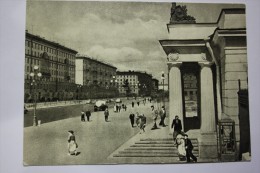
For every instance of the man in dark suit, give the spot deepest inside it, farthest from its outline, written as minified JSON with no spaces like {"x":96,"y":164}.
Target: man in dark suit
{"x":88,"y":114}
{"x":132,"y":119}
{"x":177,"y":127}
{"x":189,"y":148}
{"x":162,"y":114}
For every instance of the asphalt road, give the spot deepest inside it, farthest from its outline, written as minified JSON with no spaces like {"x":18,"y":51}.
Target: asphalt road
{"x":62,"y":112}
{"x":47,"y":144}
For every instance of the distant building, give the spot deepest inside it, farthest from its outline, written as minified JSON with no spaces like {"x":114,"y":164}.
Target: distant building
{"x":139,"y":83}
{"x":95,"y":78}
{"x":57,"y":65}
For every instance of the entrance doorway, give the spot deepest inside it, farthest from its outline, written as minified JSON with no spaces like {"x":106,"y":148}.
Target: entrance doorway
{"x":191,"y":95}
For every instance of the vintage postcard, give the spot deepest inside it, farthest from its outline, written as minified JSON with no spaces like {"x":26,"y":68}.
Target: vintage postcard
{"x":135,"y":82}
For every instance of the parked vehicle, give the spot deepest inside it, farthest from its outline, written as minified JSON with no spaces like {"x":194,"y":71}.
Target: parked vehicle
{"x":100,"y":105}
{"x":118,"y":100}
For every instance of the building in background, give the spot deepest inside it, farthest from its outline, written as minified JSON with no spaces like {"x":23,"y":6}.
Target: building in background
{"x":94,"y":78}
{"x":134,"y":83}
{"x":57,"y":65}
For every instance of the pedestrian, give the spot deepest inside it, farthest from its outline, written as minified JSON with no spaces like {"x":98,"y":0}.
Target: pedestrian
{"x":154,"y":117}
{"x":125,"y":107}
{"x":189,"y":148}
{"x":106,"y":113}
{"x":132,"y":119}
{"x":119,"y":108}
{"x":177,"y":127}
{"x":72,"y":145}
{"x":82,"y":116}
{"x":163,"y":116}
{"x":142,"y":123}
{"x":115,"y":108}
{"x":180,"y":144}
{"x":133,"y":104}
{"x":88,"y":114}
{"x":138,"y":119}
{"x":138,"y":103}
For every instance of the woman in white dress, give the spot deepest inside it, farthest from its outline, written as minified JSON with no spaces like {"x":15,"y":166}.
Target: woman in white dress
{"x":181,"y":147}
{"x":72,"y":145}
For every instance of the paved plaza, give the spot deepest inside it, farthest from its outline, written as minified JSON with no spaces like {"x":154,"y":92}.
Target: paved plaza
{"x":97,"y":139}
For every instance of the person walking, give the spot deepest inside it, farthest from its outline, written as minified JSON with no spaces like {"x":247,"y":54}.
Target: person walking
{"x":106,"y":113}
{"x":133,"y":104}
{"x":180,"y":144}
{"x":138,"y":102}
{"x":72,"y":145}
{"x":163,"y":116}
{"x":82,"y":116}
{"x":142,"y":123}
{"x":88,"y":114}
{"x":189,"y":148}
{"x":154,"y":117}
{"x":176,"y":123}
{"x":132,"y":119}
{"x":115,"y":108}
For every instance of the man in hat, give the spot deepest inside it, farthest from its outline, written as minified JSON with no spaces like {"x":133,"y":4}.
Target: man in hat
{"x":177,"y":127}
{"x":189,"y":148}
{"x":163,"y":116}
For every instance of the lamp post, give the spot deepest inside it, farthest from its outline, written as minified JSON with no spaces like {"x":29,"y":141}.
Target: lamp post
{"x":35,"y":75}
{"x":163,"y":78}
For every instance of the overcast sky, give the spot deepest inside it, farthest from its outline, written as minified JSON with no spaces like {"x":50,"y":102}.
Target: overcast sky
{"x":125,"y":34}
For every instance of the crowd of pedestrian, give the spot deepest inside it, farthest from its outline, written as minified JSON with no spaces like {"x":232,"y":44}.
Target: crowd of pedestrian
{"x":180,"y":139}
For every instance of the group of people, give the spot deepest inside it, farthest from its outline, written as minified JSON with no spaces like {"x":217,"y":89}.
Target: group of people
{"x":118,"y":107}
{"x":183,"y":143}
{"x":156,"y":114}
{"x":139,"y":119}
{"x":86,"y":114}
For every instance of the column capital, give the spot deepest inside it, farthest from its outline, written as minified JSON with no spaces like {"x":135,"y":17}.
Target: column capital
{"x":205,"y":64}
{"x":174,"y":64}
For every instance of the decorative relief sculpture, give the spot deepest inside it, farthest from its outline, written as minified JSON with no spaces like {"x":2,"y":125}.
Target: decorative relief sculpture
{"x":173,"y":56}
{"x":179,"y":15}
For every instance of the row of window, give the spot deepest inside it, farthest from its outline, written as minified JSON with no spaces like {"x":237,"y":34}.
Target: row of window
{"x":53,"y":86}
{"x":47,"y":49}
{"x":127,"y":76}
{"x":52,"y":58}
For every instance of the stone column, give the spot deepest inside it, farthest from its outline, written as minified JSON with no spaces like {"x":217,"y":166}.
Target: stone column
{"x":207,"y":99}
{"x":175,"y":92}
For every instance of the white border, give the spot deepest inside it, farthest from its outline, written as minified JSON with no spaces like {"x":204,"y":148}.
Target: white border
{"x":12,"y":27}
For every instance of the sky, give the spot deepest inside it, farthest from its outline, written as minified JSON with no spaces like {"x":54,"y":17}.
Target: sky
{"x":125,"y":34}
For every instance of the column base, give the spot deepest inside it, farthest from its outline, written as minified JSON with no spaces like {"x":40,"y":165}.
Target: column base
{"x":208,"y":146}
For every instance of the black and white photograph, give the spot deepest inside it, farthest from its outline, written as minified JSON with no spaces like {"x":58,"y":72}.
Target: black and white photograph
{"x":135,"y":83}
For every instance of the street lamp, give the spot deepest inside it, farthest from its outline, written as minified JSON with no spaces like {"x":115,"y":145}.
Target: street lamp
{"x":35,"y":75}
{"x":163,"y":78}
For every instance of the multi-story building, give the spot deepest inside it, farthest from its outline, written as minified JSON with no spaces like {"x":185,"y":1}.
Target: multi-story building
{"x":57,"y":66}
{"x":139,"y":83}
{"x":96,"y":78}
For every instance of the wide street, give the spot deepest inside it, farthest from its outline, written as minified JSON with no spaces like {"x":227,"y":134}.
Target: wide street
{"x":97,"y":139}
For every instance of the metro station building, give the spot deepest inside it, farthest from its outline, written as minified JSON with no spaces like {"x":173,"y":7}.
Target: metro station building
{"x":207,"y":65}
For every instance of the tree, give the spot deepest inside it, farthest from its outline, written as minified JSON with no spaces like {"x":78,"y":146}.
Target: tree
{"x":126,"y":86}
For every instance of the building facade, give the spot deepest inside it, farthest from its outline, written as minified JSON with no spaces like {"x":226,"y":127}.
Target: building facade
{"x":139,"y":83}
{"x":57,"y":66}
{"x":94,"y":78}
{"x":205,"y":62}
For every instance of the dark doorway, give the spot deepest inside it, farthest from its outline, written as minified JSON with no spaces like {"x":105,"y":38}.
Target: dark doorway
{"x":191,"y":95}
